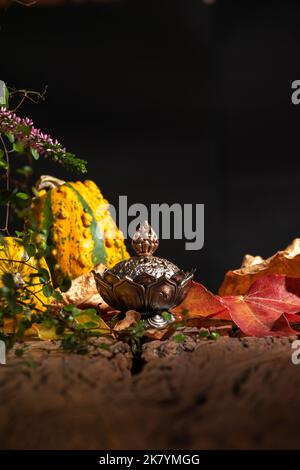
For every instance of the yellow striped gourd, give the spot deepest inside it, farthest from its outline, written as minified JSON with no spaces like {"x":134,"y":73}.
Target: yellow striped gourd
{"x":15,"y":260}
{"x":75,"y":220}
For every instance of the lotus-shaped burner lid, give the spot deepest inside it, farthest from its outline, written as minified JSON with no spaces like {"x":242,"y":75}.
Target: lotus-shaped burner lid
{"x":145,"y":267}
{"x":144,"y":282}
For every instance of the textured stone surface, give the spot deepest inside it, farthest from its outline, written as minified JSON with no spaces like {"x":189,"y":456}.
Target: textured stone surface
{"x":199,"y":394}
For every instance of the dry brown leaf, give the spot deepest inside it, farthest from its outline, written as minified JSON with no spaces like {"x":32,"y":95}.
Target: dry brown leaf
{"x":83,"y":291}
{"x":154,"y":333}
{"x":286,"y":262}
{"x":131,"y":317}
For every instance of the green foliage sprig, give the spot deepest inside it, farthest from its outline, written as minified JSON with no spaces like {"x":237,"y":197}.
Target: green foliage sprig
{"x":18,"y":307}
{"x":18,"y":136}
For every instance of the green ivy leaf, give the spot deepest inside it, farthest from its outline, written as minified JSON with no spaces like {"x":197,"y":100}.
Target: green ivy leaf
{"x":22,"y":196}
{"x":91,"y":312}
{"x":4,"y":94}
{"x":214,"y":335}
{"x":18,"y":147}
{"x":44,"y":275}
{"x":25,"y":171}
{"x":167,"y":316}
{"x":179,"y":338}
{"x":69,"y":308}
{"x":3,"y":165}
{"x":88,"y":325}
{"x":47,"y":290}
{"x":18,"y":309}
{"x":57,"y":295}
{"x":25,"y":129}
{"x":10,"y":137}
{"x":65,"y":285}
{"x":8,"y":280}
{"x":30,"y":250}
{"x":138,"y":330}
{"x":19,"y":234}
{"x":204,"y":333}
{"x":34,"y":153}
{"x":36,"y":194}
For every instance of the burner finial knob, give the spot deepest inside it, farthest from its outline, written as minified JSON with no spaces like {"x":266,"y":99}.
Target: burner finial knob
{"x":145,"y":240}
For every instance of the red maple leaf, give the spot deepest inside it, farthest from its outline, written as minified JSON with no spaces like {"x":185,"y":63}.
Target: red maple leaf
{"x":199,"y":302}
{"x":271,"y":304}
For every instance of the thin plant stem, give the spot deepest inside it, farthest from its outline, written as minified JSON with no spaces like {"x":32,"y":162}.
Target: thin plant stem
{"x":18,"y":261}
{"x":6,"y":228}
{"x":33,"y":96}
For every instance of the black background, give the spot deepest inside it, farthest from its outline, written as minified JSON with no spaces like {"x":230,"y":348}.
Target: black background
{"x":174,"y":101}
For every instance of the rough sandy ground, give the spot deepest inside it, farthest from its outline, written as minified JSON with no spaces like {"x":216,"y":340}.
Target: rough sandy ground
{"x":230,"y":393}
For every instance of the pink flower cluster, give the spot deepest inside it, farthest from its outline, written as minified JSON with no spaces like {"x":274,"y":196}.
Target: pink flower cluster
{"x":23,"y":131}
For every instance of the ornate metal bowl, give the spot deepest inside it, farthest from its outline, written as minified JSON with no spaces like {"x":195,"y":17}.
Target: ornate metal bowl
{"x":144,"y":283}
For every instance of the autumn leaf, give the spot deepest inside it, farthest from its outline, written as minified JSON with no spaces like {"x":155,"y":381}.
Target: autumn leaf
{"x":199,"y":302}
{"x":267,"y":308}
{"x":10,"y":326}
{"x":130,"y":319}
{"x":85,"y":319}
{"x":285,"y":262}
{"x":159,"y":334}
{"x":83,"y":291}
{"x":44,"y":332}
{"x":92,"y":321}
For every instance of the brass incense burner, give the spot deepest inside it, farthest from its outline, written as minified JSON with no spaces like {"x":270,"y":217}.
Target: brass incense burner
{"x":145,"y":283}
